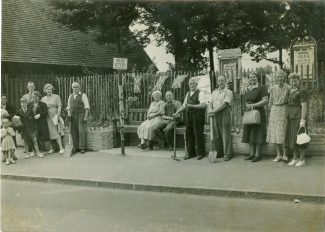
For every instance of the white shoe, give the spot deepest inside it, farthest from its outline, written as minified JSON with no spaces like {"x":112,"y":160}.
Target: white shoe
{"x":293,"y":162}
{"x":27,"y":156}
{"x":31,"y":154}
{"x":40,"y":155}
{"x":284,"y":158}
{"x":300,"y":163}
{"x":50,"y":151}
{"x":61,"y":151}
{"x":277,"y":159}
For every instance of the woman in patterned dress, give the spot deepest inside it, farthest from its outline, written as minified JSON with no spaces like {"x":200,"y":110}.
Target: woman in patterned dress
{"x":146,"y":129}
{"x":54,"y":106}
{"x":256,"y":97}
{"x":278,"y":100}
{"x":297,"y":111}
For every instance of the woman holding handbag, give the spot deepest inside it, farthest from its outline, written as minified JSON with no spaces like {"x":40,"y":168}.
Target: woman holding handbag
{"x":54,"y":104}
{"x":256,"y":97}
{"x":297,"y":111}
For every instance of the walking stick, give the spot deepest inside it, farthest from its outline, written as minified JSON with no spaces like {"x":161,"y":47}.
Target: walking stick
{"x":212,"y":153}
{"x":174,"y":157}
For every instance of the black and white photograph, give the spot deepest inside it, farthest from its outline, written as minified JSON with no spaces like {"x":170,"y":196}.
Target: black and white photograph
{"x":162,"y":116}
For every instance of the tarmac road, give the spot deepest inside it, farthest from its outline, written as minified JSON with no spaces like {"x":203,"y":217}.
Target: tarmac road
{"x":31,"y":206}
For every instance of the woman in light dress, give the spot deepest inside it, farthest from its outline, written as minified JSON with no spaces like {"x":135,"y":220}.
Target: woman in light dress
{"x":54,"y":105}
{"x":146,"y":129}
{"x":278,"y":102}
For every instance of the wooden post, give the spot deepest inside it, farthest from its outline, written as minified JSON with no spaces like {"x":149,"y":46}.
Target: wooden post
{"x":121,"y":109}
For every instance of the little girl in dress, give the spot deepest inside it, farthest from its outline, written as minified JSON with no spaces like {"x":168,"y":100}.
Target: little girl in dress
{"x":7,"y":142}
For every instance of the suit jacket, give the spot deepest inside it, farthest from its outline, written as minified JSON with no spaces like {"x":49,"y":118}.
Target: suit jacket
{"x":41,"y":126}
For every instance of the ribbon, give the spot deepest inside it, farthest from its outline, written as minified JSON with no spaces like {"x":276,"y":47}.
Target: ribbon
{"x":178,"y":81}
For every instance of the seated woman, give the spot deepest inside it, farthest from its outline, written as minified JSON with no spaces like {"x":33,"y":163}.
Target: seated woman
{"x":146,"y":129}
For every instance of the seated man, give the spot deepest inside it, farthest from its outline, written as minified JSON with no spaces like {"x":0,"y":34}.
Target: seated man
{"x":165,"y":129}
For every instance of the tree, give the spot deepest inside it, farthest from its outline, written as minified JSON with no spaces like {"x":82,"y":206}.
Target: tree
{"x":276,"y":24}
{"x":108,"y":21}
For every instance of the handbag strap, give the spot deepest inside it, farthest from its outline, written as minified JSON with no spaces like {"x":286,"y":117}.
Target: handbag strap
{"x":300,"y":129}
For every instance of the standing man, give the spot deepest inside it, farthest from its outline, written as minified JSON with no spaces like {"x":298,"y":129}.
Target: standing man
{"x":221,"y":101}
{"x":165,"y":129}
{"x":78,"y":110}
{"x":194,"y":104}
{"x":31,"y":89}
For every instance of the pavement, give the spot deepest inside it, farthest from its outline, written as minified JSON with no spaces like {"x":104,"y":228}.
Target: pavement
{"x":155,"y":171}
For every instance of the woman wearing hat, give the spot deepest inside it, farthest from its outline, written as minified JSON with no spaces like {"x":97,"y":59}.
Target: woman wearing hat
{"x":146,"y":129}
{"x":54,"y":106}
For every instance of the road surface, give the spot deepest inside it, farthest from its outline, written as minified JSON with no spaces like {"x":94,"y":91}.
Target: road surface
{"x":31,"y":206}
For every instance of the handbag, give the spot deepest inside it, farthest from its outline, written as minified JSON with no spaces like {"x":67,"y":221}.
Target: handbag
{"x":55,"y":120}
{"x":252,"y":117}
{"x":302,"y":138}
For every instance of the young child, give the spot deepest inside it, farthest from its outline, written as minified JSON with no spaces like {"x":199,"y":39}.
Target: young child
{"x":7,"y":142}
{"x":28,"y":131}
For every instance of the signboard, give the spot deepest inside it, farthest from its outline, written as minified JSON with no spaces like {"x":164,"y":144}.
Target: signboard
{"x":304,"y":57}
{"x":120,"y":63}
{"x":303,"y":53}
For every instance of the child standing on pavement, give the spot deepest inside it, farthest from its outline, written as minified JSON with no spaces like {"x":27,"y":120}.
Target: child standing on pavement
{"x":7,"y":142}
{"x":28,"y":131}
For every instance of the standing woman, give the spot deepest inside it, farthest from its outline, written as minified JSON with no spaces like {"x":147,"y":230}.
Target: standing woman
{"x":39,"y":110}
{"x":146,"y":129}
{"x":54,"y":106}
{"x":297,"y":111}
{"x":278,"y":101}
{"x":256,"y":97}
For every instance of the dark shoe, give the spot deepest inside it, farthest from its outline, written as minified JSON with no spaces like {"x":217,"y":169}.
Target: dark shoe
{"x":73,"y":151}
{"x":249,"y":157}
{"x":150,"y":145}
{"x":144,"y":146}
{"x":200,"y":157}
{"x":256,"y":159}
{"x":188,"y":157}
{"x":227,"y":158}
{"x":83,"y":151}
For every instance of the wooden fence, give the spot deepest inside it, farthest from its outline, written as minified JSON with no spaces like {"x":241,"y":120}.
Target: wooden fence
{"x":102,"y":90}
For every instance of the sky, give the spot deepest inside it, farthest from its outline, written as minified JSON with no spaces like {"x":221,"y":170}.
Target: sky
{"x":161,"y":58}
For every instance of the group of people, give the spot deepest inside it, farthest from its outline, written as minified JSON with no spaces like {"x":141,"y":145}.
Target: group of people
{"x":288,"y":109}
{"x":39,"y":122}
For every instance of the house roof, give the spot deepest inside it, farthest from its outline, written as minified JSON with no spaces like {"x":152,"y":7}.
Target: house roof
{"x":29,"y":35}
{"x":229,"y":53}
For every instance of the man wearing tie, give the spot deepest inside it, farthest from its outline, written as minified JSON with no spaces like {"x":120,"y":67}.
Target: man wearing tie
{"x":31,"y":89}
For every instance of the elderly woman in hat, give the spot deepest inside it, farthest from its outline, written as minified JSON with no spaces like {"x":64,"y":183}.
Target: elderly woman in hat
{"x":146,"y":129}
{"x":54,"y":106}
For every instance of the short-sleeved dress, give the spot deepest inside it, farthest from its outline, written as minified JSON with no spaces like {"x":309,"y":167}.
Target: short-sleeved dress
{"x":7,"y":142}
{"x":256,"y":134}
{"x":146,"y":129}
{"x":53,"y":102}
{"x":277,"y":120}
{"x":296,"y":97}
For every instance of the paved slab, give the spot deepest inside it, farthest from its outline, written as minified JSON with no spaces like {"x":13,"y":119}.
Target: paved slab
{"x":156,"y":171}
